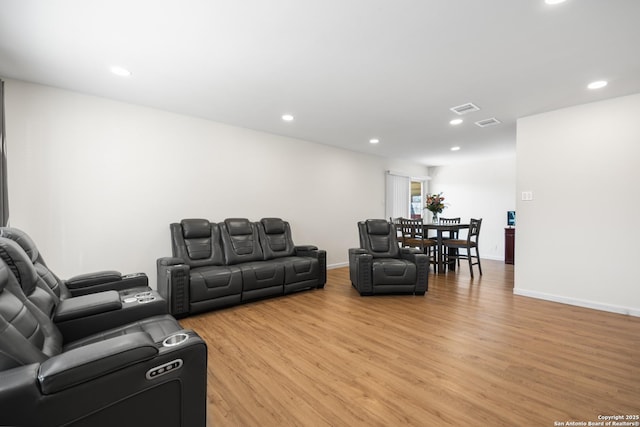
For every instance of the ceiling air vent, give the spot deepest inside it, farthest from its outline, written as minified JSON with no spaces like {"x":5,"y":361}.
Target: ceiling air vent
{"x":465,"y":108}
{"x":488,"y":122}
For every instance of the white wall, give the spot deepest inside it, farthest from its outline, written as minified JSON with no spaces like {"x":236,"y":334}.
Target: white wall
{"x":96,"y":182}
{"x":577,"y":240}
{"x":484,"y":189}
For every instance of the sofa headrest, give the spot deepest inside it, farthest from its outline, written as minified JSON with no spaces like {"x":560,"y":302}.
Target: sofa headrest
{"x":19,"y":263}
{"x":273,"y":225}
{"x":378,"y":226}
{"x":195,"y":228}
{"x":238,"y":226}
{"x":22,"y":239}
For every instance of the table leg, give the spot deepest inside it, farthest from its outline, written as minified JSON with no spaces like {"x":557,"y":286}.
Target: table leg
{"x":440,"y":256}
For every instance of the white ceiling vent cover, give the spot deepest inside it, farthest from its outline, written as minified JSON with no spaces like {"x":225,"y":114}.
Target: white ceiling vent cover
{"x":465,"y":108}
{"x":488,"y":122}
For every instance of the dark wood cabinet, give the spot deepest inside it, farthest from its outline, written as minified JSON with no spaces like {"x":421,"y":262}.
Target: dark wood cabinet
{"x":509,"y":245}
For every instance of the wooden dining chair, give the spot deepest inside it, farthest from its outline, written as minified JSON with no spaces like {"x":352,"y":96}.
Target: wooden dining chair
{"x":397,"y":222}
{"x":450,"y":234}
{"x":414,"y":236}
{"x":465,"y":248}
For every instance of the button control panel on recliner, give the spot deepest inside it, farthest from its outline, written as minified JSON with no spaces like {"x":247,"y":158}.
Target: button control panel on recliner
{"x":164,"y":369}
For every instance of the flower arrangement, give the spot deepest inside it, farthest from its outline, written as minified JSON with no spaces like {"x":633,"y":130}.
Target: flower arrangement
{"x":435,"y":205}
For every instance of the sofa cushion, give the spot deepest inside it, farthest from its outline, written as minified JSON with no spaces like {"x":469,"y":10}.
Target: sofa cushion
{"x":379,"y":238}
{"x":393,"y":271}
{"x":273,"y":225}
{"x":238,"y":226}
{"x":300,"y":269}
{"x":194,"y":228}
{"x":214,"y":282}
{"x":240,"y":241}
{"x":378,"y":226}
{"x":275,"y":238}
{"x":262,"y":274}
{"x":197,"y":242}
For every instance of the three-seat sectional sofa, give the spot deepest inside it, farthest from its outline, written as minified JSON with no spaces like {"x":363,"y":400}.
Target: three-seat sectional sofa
{"x":216,"y":265}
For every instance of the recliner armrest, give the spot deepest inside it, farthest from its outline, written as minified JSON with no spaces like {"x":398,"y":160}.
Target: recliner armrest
{"x":357,"y":251}
{"x":87,"y":305}
{"x":167,"y":261}
{"x":421,"y":260}
{"x":307,"y":250}
{"x":107,"y":280}
{"x":360,"y":261}
{"x":312,"y":251}
{"x":94,"y":360}
{"x":92,"y":279}
{"x":407,"y":251}
{"x":173,"y":284}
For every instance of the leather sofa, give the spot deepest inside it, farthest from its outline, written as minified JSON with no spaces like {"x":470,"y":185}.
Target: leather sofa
{"x":379,"y":266}
{"x":82,"y":284}
{"x":216,"y":265}
{"x":150,"y":372}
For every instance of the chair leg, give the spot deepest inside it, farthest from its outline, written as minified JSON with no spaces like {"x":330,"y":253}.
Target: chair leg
{"x":433,"y":258}
{"x":479,"y":265}
{"x":470,"y":262}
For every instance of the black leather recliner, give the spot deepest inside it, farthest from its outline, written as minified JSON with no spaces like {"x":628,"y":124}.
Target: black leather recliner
{"x":379,"y":266}
{"x":82,"y":315}
{"x":81,"y":284}
{"x":147,"y":373}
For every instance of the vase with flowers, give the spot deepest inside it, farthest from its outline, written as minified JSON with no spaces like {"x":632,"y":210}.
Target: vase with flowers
{"x":435,"y":205}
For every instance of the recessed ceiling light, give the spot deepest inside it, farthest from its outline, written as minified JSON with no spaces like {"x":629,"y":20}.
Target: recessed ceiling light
{"x":554,"y":1}
{"x":287,"y":117}
{"x":597,"y":85}
{"x":455,"y":148}
{"x":119,"y":71}
{"x":455,"y":122}
{"x":374,"y":140}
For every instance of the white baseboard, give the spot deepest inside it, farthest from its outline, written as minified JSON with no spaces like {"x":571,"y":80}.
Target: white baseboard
{"x":337,"y":265}
{"x":629,"y":311}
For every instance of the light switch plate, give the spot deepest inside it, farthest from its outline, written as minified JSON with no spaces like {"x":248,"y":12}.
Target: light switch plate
{"x":527,"y":196}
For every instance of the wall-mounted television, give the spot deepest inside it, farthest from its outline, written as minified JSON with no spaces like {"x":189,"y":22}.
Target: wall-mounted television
{"x":511,"y":218}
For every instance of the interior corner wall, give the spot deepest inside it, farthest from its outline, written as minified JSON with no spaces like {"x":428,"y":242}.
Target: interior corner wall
{"x":485,"y":189}
{"x":577,"y":240}
{"x":97,"y":182}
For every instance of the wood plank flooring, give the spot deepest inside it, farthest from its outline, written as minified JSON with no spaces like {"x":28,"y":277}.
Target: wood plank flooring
{"x":467,"y":353}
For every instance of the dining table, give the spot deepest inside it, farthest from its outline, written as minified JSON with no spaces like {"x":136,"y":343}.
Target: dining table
{"x":440,"y":229}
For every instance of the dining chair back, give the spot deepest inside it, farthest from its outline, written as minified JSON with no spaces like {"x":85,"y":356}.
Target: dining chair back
{"x":411,"y":229}
{"x":414,"y":236}
{"x":458,"y":249}
{"x":397,"y":222}
{"x":446,"y":221}
{"x":451,"y":234}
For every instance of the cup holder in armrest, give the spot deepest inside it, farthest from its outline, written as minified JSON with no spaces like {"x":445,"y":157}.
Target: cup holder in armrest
{"x":175,"y":339}
{"x":147,"y":299}
{"x":142,"y":294}
{"x":140,"y":298}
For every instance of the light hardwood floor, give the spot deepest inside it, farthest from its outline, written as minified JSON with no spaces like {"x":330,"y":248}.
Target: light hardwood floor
{"x":468,"y":353}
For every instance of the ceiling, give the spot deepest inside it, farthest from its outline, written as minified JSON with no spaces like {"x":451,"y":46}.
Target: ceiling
{"x":348,"y":70}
